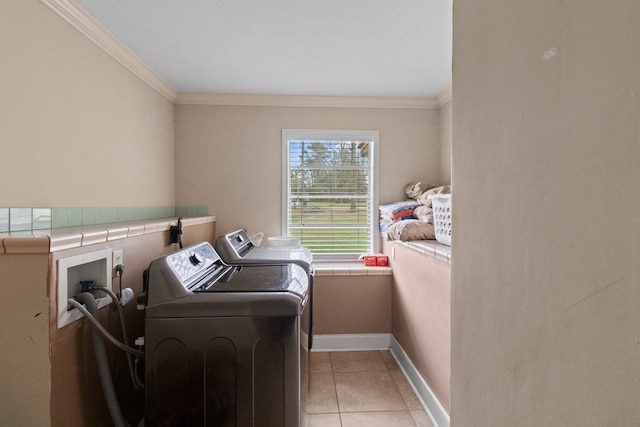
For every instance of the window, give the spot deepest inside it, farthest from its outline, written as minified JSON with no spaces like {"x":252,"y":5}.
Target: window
{"x":330,"y":190}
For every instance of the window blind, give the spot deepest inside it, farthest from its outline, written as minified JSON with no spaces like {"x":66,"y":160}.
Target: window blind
{"x":329,"y":197}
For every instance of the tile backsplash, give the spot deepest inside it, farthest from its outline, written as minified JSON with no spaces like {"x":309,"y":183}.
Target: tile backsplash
{"x":26,"y":219}
{"x":4,"y":220}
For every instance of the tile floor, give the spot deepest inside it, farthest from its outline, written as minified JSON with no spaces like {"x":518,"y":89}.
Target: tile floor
{"x":361,"y":388}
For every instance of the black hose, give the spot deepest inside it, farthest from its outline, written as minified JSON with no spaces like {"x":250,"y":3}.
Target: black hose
{"x":103,"y":366}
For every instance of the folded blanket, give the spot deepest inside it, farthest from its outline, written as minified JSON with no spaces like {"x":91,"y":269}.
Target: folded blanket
{"x":386,"y":222}
{"x":398,"y":215}
{"x":396,"y":208}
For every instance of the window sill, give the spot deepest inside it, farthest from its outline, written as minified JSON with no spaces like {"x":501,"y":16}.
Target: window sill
{"x":326,"y":268}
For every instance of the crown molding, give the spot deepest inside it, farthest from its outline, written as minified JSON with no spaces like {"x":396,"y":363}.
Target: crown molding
{"x":445,"y":97}
{"x":307,"y":101}
{"x":82,"y":22}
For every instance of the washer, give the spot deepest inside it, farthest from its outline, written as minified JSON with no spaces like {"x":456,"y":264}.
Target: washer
{"x":236,"y":248}
{"x":223,"y":343}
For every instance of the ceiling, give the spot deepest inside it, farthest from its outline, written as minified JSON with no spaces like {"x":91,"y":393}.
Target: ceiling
{"x":288,"y":47}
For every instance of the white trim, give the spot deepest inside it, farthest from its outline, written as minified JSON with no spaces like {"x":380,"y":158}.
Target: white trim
{"x":82,"y":22}
{"x":284,"y":187}
{"x":417,"y":102}
{"x":375,"y":191}
{"x":351,"y":342}
{"x":430,"y":402}
{"x":445,"y":97}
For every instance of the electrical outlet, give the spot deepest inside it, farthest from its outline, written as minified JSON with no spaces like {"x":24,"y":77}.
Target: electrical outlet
{"x":117,"y":259}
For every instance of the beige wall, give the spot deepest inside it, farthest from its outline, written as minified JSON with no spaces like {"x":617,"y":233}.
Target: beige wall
{"x":213,"y":141}
{"x":545,"y":295}
{"x":24,"y":335}
{"x":352,"y":304}
{"x":76,"y":127}
{"x":445,"y":135}
{"x":421,"y":319}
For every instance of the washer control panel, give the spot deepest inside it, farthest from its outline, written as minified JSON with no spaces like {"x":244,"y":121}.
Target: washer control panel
{"x":193,"y":262}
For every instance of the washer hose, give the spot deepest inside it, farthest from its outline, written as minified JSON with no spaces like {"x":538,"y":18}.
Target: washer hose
{"x":103,"y":366}
{"x":102,"y":329}
{"x":137,"y":384}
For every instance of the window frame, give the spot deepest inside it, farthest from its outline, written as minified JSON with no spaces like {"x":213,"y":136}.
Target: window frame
{"x":335,"y":135}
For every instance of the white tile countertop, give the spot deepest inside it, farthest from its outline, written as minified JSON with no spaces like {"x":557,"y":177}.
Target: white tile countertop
{"x":56,"y":239}
{"x":324,"y":268}
{"x":431,"y":248}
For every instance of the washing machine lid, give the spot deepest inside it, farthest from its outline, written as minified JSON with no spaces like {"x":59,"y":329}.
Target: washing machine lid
{"x":259,"y":278}
{"x":236,"y":248}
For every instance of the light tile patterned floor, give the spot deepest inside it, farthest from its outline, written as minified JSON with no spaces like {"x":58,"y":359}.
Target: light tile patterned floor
{"x":361,"y":389}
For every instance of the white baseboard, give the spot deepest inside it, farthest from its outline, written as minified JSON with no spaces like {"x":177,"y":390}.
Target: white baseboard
{"x":432,"y":405}
{"x":351,"y":342}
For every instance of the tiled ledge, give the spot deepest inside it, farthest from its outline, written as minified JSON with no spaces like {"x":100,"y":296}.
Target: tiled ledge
{"x":431,"y":248}
{"x":57,"y":239}
{"x":349,"y":269}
